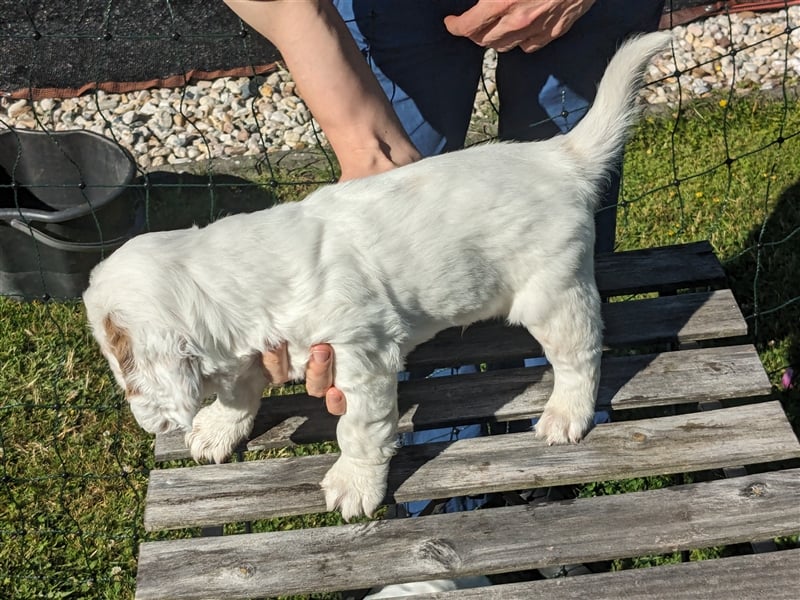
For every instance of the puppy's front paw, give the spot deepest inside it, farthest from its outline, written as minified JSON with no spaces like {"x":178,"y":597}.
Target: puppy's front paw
{"x":355,"y":487}
{"x":214,"y":438}
{"x":562,"y":425}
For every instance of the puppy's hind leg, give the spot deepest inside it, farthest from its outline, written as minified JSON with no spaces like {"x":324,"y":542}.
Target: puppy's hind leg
{"x":219,"y":427}
{"x":568,"y":325}
{"x":366,"y":433}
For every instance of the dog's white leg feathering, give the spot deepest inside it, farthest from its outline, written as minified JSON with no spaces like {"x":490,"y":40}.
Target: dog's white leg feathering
{"x":367,"y":436}
{"x":572,"y":341}
{"x":219,"y":427}
{"x":566,"y":321}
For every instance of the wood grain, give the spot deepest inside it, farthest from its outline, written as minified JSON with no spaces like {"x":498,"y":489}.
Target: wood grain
{"x":772,"y":575}
{"x":748,"y":508}
{"x":664,"y":269}
{"x":742,"y":509}
{"x":475,"y":542}
{"x":215,"y":494}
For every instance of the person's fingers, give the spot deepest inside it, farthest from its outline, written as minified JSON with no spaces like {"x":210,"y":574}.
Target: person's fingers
{"x":335,"y":401}
{"x":319,"y":370}
{"x":276,"y":364}
{"x":505,"y":43}
{"x":532,"y":44}
{"x":474,"y":22}
{"x":511,"y":23}
{"x":553,"y":24}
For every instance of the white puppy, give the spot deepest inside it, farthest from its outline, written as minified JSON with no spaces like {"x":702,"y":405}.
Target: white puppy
{"x":374,"y":267}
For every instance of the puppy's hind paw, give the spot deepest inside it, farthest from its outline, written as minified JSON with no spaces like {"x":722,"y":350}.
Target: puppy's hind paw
{"x":355,"y":487}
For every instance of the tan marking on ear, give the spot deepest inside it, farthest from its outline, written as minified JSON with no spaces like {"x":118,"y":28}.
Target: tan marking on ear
{"x":119,"y":343}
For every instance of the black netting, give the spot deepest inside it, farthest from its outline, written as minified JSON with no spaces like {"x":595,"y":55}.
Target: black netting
{"x":715,"y":157}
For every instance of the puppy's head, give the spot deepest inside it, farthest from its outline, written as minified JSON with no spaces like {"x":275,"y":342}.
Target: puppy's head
{"x":137,"y":304}
{"x":158,"y":368}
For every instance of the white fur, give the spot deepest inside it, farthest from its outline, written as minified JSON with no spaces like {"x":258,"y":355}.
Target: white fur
{"x":375,"y":267}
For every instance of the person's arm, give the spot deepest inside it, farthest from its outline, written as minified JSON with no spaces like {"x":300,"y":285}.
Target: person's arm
{"x":527,"y":24}
{"x":340,"y":90}
{"x":335,"y":81}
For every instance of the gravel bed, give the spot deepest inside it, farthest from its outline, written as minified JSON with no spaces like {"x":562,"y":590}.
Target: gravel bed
{"x":233,"y":117}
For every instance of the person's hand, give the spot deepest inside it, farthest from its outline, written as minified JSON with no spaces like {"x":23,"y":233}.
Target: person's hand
{"x":319,"y":379}
{"x":319,"y":374}
{"x":506,"y":24}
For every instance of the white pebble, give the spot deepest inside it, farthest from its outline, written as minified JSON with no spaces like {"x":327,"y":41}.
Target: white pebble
{"x":228,"y":117}
{"x":18,"y":108}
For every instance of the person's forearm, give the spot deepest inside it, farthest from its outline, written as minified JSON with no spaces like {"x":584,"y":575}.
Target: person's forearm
{"x":334,"y":80}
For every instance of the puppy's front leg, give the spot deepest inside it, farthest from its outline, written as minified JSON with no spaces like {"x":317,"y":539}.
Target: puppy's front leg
{"x":219,"y":427}
{"x":367,"y":436}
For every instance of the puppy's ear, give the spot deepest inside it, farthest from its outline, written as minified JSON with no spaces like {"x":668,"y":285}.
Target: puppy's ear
{"x":119,"y":345}
{"x":170,"y":372}
{"x":162,"y":381}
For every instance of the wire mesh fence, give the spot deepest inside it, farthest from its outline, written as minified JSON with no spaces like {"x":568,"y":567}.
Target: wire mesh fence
{"x":715,"y":157}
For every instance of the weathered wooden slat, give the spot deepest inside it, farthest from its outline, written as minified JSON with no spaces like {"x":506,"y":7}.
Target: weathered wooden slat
{"x":669,"y":378}
{"x":663,"y":269}
{"x":214,"y":494}
{"x":476,"y":542}
{"x":676,"y":319}
{"x":771,"y":575}
{"x":683,"y":318}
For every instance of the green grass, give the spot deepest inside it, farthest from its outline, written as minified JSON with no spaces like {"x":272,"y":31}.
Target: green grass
{"x":74,"y":465}
{"x":679,"y":186}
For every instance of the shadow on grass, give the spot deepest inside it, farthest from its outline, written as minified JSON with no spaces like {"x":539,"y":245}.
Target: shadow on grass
{"x":180,"y":200}
{"x":765,"y":280}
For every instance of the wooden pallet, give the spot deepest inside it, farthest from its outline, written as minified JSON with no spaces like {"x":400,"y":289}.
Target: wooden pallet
{"x":666,"y":355}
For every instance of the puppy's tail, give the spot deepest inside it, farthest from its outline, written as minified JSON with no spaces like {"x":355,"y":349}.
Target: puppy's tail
{"x":599,"y":137}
